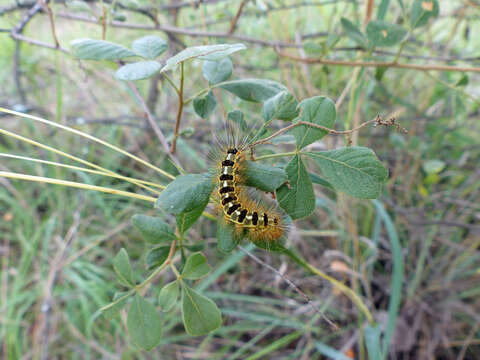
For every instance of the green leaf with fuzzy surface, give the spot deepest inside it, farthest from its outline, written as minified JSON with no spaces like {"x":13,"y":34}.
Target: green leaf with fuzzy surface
{"x":217,"y":71}
{"x":227,"y":240}
{"x":157,"y":256}
{"x":205,"y":105}
{"x":168,"y":296}
{"x":196,"y":267}
{"x":186,"y":193}
{"x":282,"y":106}
{"x":318,"y":110}
{"x":137,"y":70}
{"x":264,"y":177}
{"x":121,"y":265}
{"x":422,"y":11}
{"x":207,"y":52}
{"x":353,"y":170}
{"x":186,"y":220}
{"x":255,"y":90}
{"x":200,"y":314}
{"x":297,"y":197}
{"x":150,"y":46}
{"x":144,"y":323}
{"x":353,"y":32}
{"x":88,"y":49}
{"x":382,"y":33}
{"x":153,"y":229}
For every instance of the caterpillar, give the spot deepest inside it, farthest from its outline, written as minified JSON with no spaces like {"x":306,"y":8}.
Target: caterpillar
{"x":251,"y":218}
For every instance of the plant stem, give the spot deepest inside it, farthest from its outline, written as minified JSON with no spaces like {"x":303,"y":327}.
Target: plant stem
{"x":179,"y":112}
{"x":73,"y":184}
{"x":167,"y":262}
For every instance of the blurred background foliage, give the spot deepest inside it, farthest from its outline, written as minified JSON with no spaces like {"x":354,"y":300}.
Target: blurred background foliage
{"x":57,"y":244}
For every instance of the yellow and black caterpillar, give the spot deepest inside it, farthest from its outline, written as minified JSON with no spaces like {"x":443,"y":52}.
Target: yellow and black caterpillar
{"x":258,"y":222}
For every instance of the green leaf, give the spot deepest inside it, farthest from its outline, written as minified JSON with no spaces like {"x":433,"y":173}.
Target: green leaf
{"x":144,"y":323}
{"x":121,"y":264}
{"x":256,"y":90}
{"x":186,"y":220}
{"x":297,"y":197}
{"x":153,"y":229}
{"x":318,"y":110}
{"x":208,"y":52}
{"x":353,"y":32}
{"x":196,"y":267}
{"x":157,"y":256}
{"x":204,"y":106}
{"x":237,"y":117}
{"x":217,"y":71}
{"x":186,"y":193}
{"x":320,"y":181}
{"x":168,"y":296}
{"x":119,"y":301}
{"x":227,"y":239}
{"x":282,"y":106}
{"x":382,"y":33}
{"x":422,"y":11}
{"x":200,"y":314}
{"x":382,"y":9}
{"x":150,"y":46}
{"x":88,"y":49}
{"x":353,"y":170}
{"x":373,"y":333}
{"x":264,"y":177}
{"x":137,"y":70}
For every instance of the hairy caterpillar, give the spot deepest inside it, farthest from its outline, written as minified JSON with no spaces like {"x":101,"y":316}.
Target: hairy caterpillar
{"x":251,"y":218}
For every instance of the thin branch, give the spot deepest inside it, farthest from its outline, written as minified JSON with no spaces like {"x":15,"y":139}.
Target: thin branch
{"x":161,"y":137}
{"x":377,"y":120}
{"x":291,"y":284}
{"x":44,"y":4}
{"x":179,"y":112}
{"x":378,"y":64}
{"x":234,"y":22}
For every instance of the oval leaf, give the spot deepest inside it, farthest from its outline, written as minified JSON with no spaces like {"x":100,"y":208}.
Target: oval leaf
{"x":353,"y":32}
{"x":150,"y":47}
{"x":168,"y":296}
{"x":196,"y":267}
{"x":186,"y":220}
{"x":157,"y":256}
{"x":282,"y":106}
{"x":226,"y":236}
{"x":297,"y":197}
{"x":204,"y":106}
{"x":144,"y":323}
{"x":137,"y":71}
{"x":318,"y":110}
{"x":200,"y":314}
{"x":217,"y":71}
{"x":119,"y":301}
{"x":153,"y":229}
{"x":256,"y":90}
{"x":88,"y":49}
{"x":381,"y":33}
{"x":121,"y":265}
{"x":264,"y":177}
{"x":353,"y":170}
{"x":186,"y":193}
{"x":422,"y":11}
{"x":208,"y":52}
